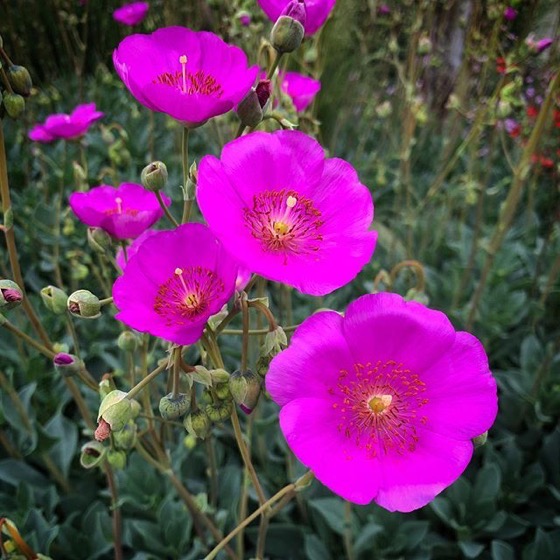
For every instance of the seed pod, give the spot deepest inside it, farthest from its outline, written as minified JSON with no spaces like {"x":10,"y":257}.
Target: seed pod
{"x":54,"y":299}
{"x":197,"y":424}
{"x":171,"y":407}
{"x":20,"y":80}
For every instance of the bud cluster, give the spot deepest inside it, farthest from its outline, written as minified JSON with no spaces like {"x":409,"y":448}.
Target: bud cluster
{"x":15,"y":86}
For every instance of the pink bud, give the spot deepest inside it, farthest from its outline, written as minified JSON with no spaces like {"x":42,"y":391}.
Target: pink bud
{"x":510,"y":13}
{"x":296,"y":10}
{"x":103,"y":430}
{"x":263,"y":89}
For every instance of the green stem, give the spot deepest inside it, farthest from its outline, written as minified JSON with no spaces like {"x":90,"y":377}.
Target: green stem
{"x":176,"y":371}
{"x":258,"y":332}
{"x":115,"y":508}
{"x":260,"y":306}
{"x":188,"y":197}
{"x":290,"y":488}
{"x":348,"y":531}
{"x":166,"y":211}
{"x":274,"y":65}
{"x":26,"y":338}
{"x":152,"y":375}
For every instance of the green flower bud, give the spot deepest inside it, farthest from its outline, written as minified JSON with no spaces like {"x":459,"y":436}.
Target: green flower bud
{"x":127,"y":341}
{"x":84,"y":304}
{"x":20,"y":80}
{"x":249,"y":109}
{"x":11,"y":295}
{"x":154,"y":176}
{"x":115,"y":410}
{"x":274,"y":342}
{"x":219,"y":375}
{"x":67,"y":364}
{"x":287,"y":34}
{"x":222,"y":391}
{"x":80,"y":177}
{"x":136,"y":407}
{"x":14,"y":104}
{"x":218,"y":412}
{"x":245,"y":388}
{"x":480,"y":440}
{"x":126,"y":438}
{"x":262,"y":365}
{"x":92,"y":454}
{"x":106,"y":385}
{"x":197,"y":424}
{"x":54,"y":299}
{"x":99,"y":240}
{"x":171,"y":407}
{"x":117,"y":459}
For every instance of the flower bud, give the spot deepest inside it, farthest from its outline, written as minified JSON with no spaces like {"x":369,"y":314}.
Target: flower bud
{"x":14,"y":104}
{"x":171,"y":407}
{"x":218,"y":412}
{"x":222,"y":391}
{"x":197,"y":424}
{"x":20,"y":80}
{"x":117,"y":459}
{"x":126,"y":438}
{"x":274,"y":342}
{"x":262,"y":365}
{"x":245,"y":388}
{"x":67,"y":364}
{"x":249,"y":109}
{"x":480,"y":440}
{"x":288,"y":31}
{"x":219,"y":375}
{"x":84,"y":304}
{"x":106,"y":385}
{"x":115,"y":410}
{"x":244,"y":18}
{"x":98,"y":239}
{"x":263,"y":90}
{"x":92,"y":454}
{"x":127,"y":341}
{"x":154,"y":176}
{"x":80,"y":177}
{"x":54,"y":299}
{"x":11,"y":295}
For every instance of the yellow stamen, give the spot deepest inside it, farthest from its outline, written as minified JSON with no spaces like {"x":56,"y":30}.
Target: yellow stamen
{"x":281,"y":228}
{"x":379,"y":403}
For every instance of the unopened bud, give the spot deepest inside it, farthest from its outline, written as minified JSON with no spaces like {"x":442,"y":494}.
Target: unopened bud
{"x":14,"y":103}
{"x":11,"y":295}
{"x":126,"y":438}
{"x":263,"y":90}
{"x":222,"y":391}
{"x":67,"y":364}
{"x":249,"y":109}
{"x":115,"y":410}
{"x":127,"y":341}
{"x":218,"y":412}
{"x":154,"y":176}
{"x":92,"y":454}
{"x":274,"y":342}
{"x":219,"y":375}
{"x":245,"y":388}
{"x":480,"y":440}
{"x":54,"y":299}
{"x":20,"y":80}
{"x":117,"y":459}
{"x":98,"y":239}
{"x":84,"y":304}
{"x":106,"y":385}
{"x":197,"y":424}
{"x":288,"y":31}
{"x":173,"y":407}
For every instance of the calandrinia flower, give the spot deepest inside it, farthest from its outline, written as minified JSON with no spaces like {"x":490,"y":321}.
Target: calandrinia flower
{"x":302,"y":89}
{"x":287,"y":213}
{"x":132,"y":249}
{"x":131,"y":14}
{"x":174,"y":283}
{"x":382,"y":403}
{"x":317,"y":12}
{"x":61,"y":126}
{"x":123,"y":212}
{"x":192,"y":76}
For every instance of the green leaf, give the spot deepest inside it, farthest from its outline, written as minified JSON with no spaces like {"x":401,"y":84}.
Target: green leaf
{"x":315,"y":549}
{"x":13,"y":472}
{"x":332,"y":511}
{"x":502,"y":551}
{"x":470,"y":549}
{"x":488,"y":482}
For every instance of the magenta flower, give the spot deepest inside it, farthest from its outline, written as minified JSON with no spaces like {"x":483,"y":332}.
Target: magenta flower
{"x":510,"y":13}
{"x":132,"y":249}
{"x":123,"y":212}
{"x":382,"y":403}
{"x":317,"y":12}
{"x":302,"y":89}
{"x":174,"y":283}
{"x":131,"y":14}
{"x":66,"y":127}
{"x":287,"y":213}
{"x":192,"y":76}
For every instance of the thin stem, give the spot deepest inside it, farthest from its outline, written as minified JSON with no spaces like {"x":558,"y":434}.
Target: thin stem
{"x":348,"y":547}
{"x":115,"y":508}
{"x":26,"y":338}
{"x":274,"y":65}
{"x":258,"y":332}
{"x":176,"y":371}
{"x":137,"y":388}
{"x":240,"y":130}
{"x":212,"y":469}
{"x":290,"y":488}
{"x":245,"y":339}
{"x":166,"y":211}
{"x":260,"y":306}
{"x":188,"y":197}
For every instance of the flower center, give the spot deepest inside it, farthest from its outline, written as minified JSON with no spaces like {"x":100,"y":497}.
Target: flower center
{"x":284,"y":222}
{"x":187,"y":295}
{"x":118,"y":209}
{"x":190,"y":82}
{"x":378,"y":406}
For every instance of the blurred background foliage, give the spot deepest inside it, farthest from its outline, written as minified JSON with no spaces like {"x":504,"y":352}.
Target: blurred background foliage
{"x":417,"y":98}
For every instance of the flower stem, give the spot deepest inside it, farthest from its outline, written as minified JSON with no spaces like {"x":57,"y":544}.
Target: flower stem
{"x":152,"y":375}
{"x":274,"y":65}
{"x":115,"y":508}
{"x":166,"y":211}
{"x":188,"y":197}
{"x":26,"y":338}
{"x":260,"y":306}
{"x":290,"y":488}
{"x":176,"y":371}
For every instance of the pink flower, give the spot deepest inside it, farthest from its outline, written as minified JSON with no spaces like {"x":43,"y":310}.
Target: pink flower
{"x":539,"y":46}
{"x":123,"y":212}
{"x":510,"y":13}
{"x":317,"y":12}
{"x":61,"y":126}
{"x":132,"y":249}
{"x":301,"y":89}
{"x":174,"y":283}
{"x":131,"y":14}
{"x":382,"y":403}
{"x":192,"y":76}
{"x":287,"y":213}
